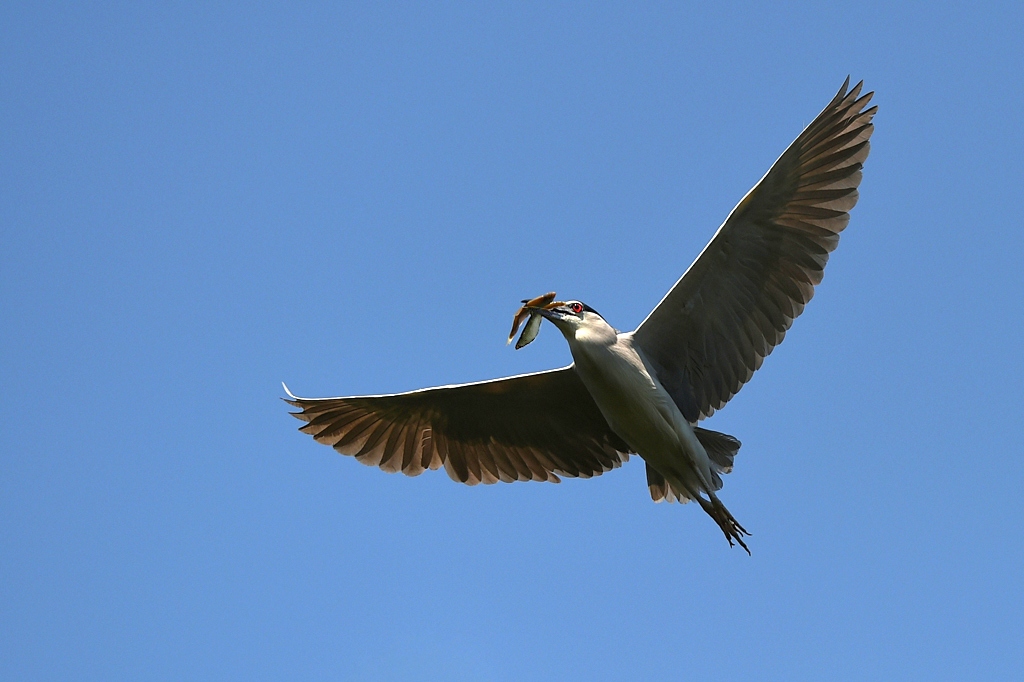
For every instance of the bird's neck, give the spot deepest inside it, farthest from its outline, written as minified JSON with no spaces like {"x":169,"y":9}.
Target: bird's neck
{"x":590,"y":339}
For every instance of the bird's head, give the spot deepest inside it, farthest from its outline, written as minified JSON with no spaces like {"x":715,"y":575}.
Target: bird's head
{"x":573,"y":317}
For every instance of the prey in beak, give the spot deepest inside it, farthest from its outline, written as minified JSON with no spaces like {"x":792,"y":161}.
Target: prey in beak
{"x":533,"y":308}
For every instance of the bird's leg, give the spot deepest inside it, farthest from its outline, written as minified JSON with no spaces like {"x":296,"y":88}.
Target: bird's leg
{"x":726,"y":521}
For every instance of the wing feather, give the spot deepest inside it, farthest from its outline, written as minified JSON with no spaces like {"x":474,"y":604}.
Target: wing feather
{"x":528,"y":427}
{"x":735,"y":303}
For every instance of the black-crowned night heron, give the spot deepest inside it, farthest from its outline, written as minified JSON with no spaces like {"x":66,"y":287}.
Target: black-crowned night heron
{"x":641,"y":392}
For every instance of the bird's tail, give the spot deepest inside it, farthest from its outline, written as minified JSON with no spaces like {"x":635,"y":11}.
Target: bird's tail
{"x":721,"y":449}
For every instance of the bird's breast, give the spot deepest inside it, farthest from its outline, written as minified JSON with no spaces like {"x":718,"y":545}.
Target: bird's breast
{"x":632,"y":401}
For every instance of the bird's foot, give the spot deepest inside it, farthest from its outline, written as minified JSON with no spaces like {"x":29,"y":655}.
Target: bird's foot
{"x":731,"y":528}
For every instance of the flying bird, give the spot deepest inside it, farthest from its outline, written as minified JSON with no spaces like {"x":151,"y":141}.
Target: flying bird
{"x":641,"y":392}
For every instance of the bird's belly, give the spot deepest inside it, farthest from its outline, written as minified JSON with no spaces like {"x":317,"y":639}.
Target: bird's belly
{"x":635,"y":406}
{"x":641,"y":412}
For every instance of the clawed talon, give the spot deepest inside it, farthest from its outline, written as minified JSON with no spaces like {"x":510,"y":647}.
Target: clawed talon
{"x":730,"y":527}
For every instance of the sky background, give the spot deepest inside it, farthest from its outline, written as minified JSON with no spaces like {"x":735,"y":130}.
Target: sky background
{"x":199,"y":200}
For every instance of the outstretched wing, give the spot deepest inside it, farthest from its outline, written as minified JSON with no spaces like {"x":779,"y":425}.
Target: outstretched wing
{"x":528,"y":427}
{"x":734,"y":304}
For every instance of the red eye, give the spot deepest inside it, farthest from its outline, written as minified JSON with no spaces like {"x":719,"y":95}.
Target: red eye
{"x":576,"y":307}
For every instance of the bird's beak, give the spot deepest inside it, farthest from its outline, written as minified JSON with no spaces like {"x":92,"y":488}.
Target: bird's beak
{"x":554,"y":311}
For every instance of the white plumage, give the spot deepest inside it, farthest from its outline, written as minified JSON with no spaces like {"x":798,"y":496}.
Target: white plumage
{"x":641,"y":392}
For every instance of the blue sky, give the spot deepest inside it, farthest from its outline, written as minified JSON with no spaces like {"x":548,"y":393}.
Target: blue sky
{"x":198,"y":202}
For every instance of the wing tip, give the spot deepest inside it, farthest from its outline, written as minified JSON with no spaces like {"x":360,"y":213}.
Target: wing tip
{"x":294,"y":401}
{"x":290,"y":394}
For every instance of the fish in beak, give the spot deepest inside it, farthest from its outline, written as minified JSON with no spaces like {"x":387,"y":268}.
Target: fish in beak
{"x":530,"y":331}
{"x":531,"y":308}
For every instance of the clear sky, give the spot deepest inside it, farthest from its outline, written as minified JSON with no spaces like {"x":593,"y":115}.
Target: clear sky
{"x":200,"y":200}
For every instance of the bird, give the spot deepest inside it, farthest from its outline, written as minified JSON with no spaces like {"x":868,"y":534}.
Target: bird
{"x":642,"y":392}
